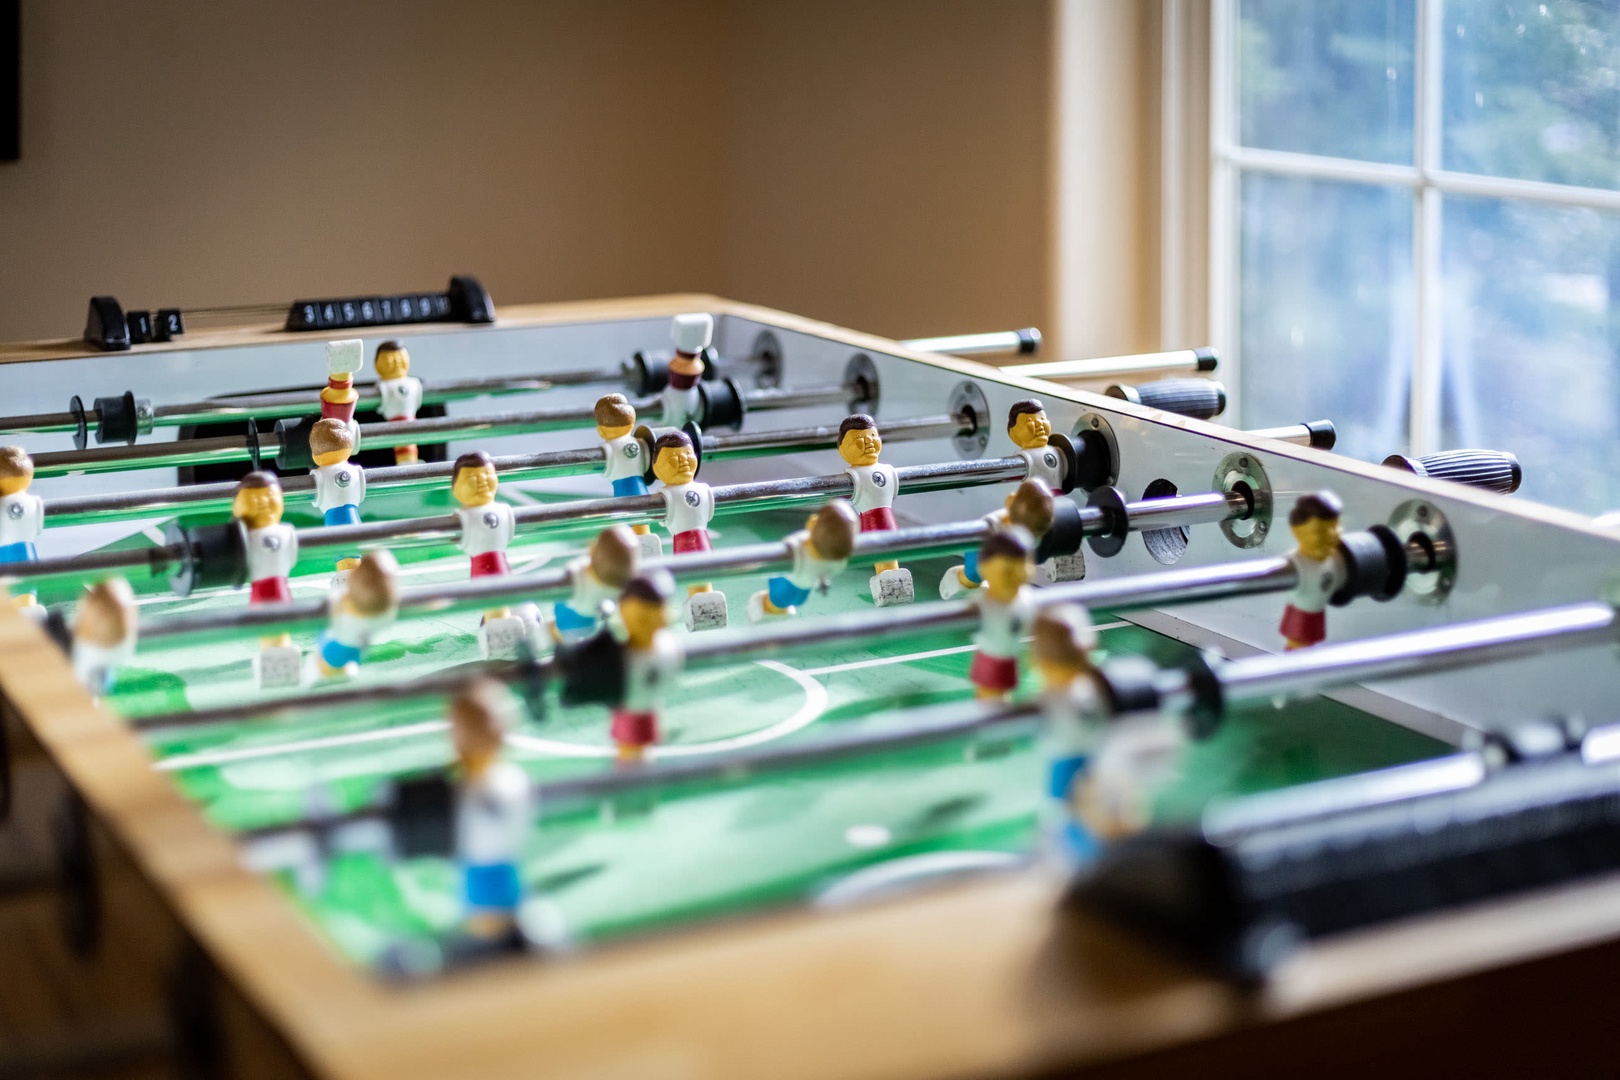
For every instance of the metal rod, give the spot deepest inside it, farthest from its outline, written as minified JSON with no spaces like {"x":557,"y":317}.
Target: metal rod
{"x":197,"y":498}
{"x":921,"y":727}
{"x":1181,"y":510}
{"x":1417,"y":652}
{"x":1109,"y":367}
{"x":1026,"y":341}
{"x":440,"y":429}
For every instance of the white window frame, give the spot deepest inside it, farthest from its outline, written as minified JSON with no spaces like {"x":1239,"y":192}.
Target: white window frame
{"x":1425,"y":179}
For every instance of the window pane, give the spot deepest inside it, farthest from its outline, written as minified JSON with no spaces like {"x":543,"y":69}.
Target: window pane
{"x":1326,"y":292}
{"x":1530,"y":344}
{"x":1330,"y":77}
{"x":1532,"y":90}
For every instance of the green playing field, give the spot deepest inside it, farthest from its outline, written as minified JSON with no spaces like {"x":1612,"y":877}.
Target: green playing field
{"x":705,"y":850}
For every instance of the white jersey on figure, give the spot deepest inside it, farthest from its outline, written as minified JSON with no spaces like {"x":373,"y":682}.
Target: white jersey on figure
{"x":649,"y":672}
{"x":874,"y":486}
{"x":1002,"y":626}
{"x":1046,"y":465}
{"x":624,"y":457}
{"x":809,"y":572}
{"x":271,"y":551}
{"x":688,"y":507}
{"x":589,"y":592}
{"x":22,"y":518}
{"x":340,"y":484}
{"x":1073,"y":717}
{"x":679,"y":406}
{"x":348,"y":627}
{"x":400,"y":397}
{"x":485,"y":528}
{"x":492,"y":816}
{"x":1318,"y":580}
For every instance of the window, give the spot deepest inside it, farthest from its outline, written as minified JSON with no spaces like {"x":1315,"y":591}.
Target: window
{"x":1415,"y":227}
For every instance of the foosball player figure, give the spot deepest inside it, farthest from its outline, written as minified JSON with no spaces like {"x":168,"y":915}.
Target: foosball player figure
{"x":598,"y":577}
{"x":22,"y":515}
{"x":652,"y":662}
{"x":103,"y":634}
{"x":343,"y":359}
{"x":366,"y":605}
{"x":1064,"y":643}
{"x":1006,"y":610}
{"x":401,"y":392}
{"x":688,"y":508}
{"x":487,"y":526}
{"x":1029,"y":429}
{"x":624,"y":466}
{"x":272,"y":551}
{"x":340,"y":484}
{"x":820,"y":550}
{"x":1320,"y":567}
{"x":493,"y":812}
{"x":1029,"y":507}
{"x":875,"y":483}
{"x":681,"y":399}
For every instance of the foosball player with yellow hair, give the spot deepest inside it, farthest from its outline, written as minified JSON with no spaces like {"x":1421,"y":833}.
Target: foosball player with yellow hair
{"x":103,"y":634}
{"x":22,"y":516}
{"x":820,"y":550}
{"x":652,"y":661}
{"x":367,"y":604}
{"x":1030,"y":507}
{"x":688,"y":508}
{"x":493,"y":808}
{"x":272,"y":552}
{"x":625,"y":463}
{"x":1006,"y":610}
{"x":401,"y":392}
{"x":598,"y":576}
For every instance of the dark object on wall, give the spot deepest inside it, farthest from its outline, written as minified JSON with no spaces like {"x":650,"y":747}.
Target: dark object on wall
{"x":10,"y":80}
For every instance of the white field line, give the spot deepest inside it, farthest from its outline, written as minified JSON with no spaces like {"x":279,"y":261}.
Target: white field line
{"x":880,"y":661}
{"x":248,"y":753}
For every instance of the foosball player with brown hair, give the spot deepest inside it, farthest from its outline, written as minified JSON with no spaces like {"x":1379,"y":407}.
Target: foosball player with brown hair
{"x":487,"y":526}
{"x":22,"y":517}
{"x":682,"y":400}
{"x":1031,"y":507}
{"x":338,"y":397}
{"x":624,"y":462}
{"x":271,"y":548}
{"x":875,"y":484}
{"x":1030,"y":430}
{"x":652,"y":660}
{"x":1320,"y":565}
{"x":820,"y":550}
{"x":400,"y":391}
{"x":104,"y":624}
{"x":1006,"y":606}
{"x":493,"y":811}
{"x":366,"y":606}
{"x":598,"y":577}
{"x":1064,"y":642}
{"x":688,"y":509}
{"x":340,"y":484}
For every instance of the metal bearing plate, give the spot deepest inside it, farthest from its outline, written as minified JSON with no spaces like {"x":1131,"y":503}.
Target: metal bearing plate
{"x":767,"y":357}
{"x":1096,"y":424}
{"x":1423,"y":522}
{"x":1243,"y":468}
{"x":968,"y":398}
{"x":861,"y":380}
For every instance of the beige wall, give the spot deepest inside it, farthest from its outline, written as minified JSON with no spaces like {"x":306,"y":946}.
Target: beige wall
{"x":892,"y":165}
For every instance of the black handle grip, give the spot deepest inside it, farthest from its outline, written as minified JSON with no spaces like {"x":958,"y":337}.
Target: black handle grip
{"x":1200,"y":399}
{"x":1489,"y":470}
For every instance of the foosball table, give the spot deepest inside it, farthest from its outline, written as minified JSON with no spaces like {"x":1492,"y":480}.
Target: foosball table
{"x":674,"y":687}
